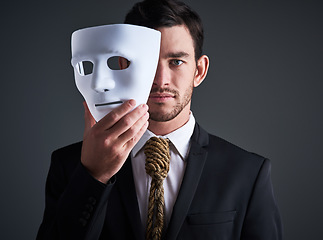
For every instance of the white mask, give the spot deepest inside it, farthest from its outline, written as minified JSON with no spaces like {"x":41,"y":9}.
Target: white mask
{"x":104,"y":88}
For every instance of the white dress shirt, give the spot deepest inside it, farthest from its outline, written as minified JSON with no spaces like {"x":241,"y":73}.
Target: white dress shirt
{"x":179,"y":149}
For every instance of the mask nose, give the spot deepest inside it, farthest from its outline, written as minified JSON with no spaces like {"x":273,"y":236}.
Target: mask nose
{"x":102,"y":79}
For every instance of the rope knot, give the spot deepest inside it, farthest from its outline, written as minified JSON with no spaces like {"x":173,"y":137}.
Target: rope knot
{"x":157,"y":158}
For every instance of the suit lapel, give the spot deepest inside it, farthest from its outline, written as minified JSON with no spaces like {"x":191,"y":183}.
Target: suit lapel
{"x":194,"y":168}
{"x":128,"y":194}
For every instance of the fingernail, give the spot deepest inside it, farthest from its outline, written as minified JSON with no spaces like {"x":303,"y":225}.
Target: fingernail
{"x":144,"y":106}
{"x":132,"y":102}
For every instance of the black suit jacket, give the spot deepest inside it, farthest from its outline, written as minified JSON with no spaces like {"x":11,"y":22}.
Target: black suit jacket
{"x":226,"y":194}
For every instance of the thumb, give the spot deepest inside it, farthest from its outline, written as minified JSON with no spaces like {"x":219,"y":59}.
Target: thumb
{"x":89,"y":121}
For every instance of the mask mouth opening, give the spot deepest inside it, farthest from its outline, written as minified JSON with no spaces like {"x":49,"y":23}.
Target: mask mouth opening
{"x":107,"y":104}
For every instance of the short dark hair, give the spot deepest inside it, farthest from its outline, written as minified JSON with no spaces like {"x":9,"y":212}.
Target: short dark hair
{"x":168,"y":13}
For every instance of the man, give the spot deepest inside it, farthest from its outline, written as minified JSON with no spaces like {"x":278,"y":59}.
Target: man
{"x":99,"y":189}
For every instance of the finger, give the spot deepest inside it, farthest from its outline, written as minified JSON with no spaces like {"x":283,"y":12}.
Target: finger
{"x":89,"y":121}
{"x":134,"y":129}
{"x":133,"y":141}
{"x":128,"y":120}
{"x":116,"y":114}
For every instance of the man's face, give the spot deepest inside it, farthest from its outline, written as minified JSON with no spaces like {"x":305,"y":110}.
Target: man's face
{"x":104,"y":86}
{"x":175,"y":76}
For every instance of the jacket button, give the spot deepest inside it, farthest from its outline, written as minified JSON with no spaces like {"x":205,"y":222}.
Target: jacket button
{"x":92,"y":200}
{"x":86,"y":215}
{"x":83,"y":222}
{"x":89,"y":207}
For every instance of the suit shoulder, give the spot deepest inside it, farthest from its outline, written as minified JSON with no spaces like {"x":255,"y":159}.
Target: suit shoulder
{"x":213,"y":139}
{"x":69,"y":148}
{"x":231,"y":151}
{"x":68,"y":154}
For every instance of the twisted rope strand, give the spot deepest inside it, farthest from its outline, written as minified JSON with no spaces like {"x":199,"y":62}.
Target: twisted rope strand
{"x":157,"y":166}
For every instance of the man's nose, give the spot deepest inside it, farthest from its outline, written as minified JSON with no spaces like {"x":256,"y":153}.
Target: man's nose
{"x":162,"y":76}
{"x":102,"y":79}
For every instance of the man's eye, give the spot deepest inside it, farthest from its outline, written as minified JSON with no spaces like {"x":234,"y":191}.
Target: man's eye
{"x":177,"y":62}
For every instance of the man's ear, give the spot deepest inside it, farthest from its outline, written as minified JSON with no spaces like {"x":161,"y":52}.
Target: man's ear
{"x":202,"y":67}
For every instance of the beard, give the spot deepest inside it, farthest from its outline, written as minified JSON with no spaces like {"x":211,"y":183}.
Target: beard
{"x":181,"y":103}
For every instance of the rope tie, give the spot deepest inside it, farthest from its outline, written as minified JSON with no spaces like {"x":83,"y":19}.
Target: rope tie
{"x":157,"y":166}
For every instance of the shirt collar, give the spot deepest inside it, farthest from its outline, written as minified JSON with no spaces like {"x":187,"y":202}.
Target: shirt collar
{"x":180,"y":138}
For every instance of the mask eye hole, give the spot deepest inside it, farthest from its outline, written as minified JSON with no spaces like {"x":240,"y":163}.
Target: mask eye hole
{"x":118,"y":63}
{"x":84,"y":68}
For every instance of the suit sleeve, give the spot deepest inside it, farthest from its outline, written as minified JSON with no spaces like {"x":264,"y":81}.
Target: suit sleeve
{"x":75,"y":203}
{"x":262,"y":221}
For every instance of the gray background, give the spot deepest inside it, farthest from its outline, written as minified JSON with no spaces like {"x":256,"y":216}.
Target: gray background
{"x":263,"y":93}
